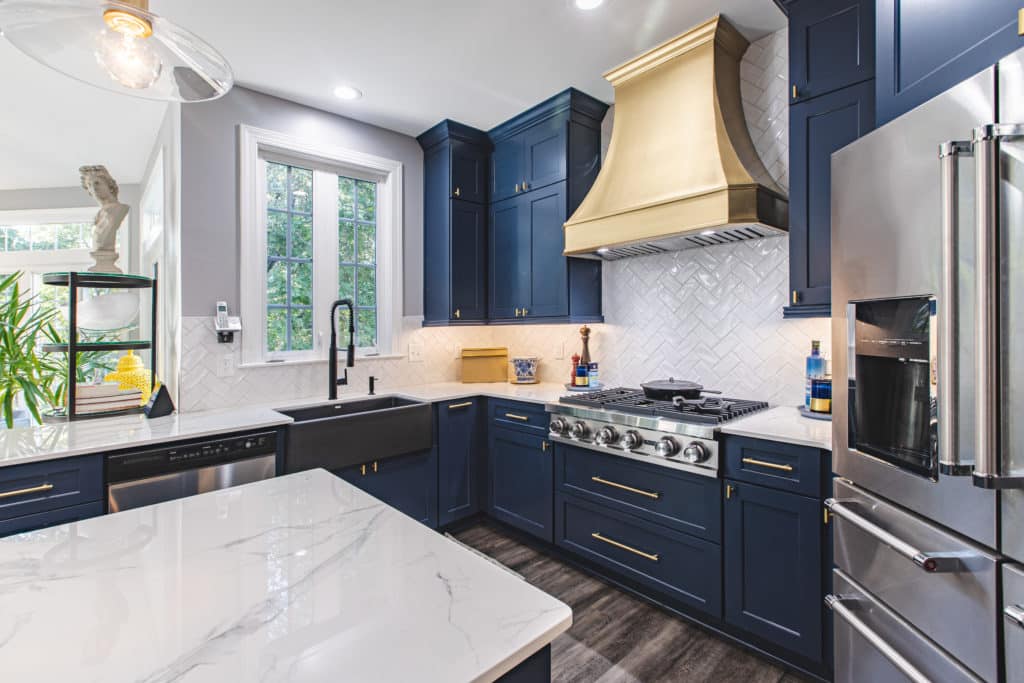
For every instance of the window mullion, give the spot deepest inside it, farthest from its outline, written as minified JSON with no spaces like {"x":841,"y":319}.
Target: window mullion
{"x":325,"y":254}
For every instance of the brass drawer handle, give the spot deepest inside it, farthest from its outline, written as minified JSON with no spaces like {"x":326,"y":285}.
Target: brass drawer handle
{"x":25,"y":492}
{"x":649,"y":494}
{"x":458,"y":192}
{"x":623,"y":546}
{"x":795,"y":91}
{"x":770,"y":465}
{"x":458,"y":313}
{"x":544,"y":446}
{"x":513,"y":416}
{"x":517,"y":187}
{"x":456,"y":406}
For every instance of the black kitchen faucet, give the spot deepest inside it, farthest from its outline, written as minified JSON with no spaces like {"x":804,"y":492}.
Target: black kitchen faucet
{"x":332,"y":361}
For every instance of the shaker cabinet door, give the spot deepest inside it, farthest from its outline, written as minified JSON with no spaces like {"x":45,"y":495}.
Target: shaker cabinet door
{"x":469,"y":261}
{"x":507,"y":171}
{"x":831,"y":45}
{"x":509,"y":258}
{"x":469,"y":172}
{"x":522,"y":482}
{"x":549,"y":276}
{"x":459,"y":452}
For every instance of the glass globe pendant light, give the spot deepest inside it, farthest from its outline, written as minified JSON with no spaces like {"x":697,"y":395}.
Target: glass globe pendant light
{"x":118,"y":46}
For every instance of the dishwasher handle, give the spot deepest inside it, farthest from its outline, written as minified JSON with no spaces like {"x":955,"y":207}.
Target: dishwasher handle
{"x":836,"y":604}
{"x":930,"y":562}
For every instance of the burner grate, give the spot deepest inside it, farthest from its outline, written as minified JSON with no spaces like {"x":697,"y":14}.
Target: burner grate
{"x":708,"y":411}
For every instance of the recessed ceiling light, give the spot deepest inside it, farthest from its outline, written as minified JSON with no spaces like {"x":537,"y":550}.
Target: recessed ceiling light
{"x":347,"y":92}
{"x":588,"y":4}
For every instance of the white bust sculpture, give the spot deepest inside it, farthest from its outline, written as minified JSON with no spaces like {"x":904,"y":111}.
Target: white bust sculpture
{"x":98,"y":182}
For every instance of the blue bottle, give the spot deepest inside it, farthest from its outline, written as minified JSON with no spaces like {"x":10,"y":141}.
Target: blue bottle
{"x":815,"y":370}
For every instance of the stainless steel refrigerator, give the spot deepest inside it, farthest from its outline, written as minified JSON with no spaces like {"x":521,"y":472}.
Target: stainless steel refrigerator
{"x":928,"y":397}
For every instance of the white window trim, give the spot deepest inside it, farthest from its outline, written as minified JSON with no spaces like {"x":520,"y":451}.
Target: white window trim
{"x":46,"y":261}
{"x":254,"y":142}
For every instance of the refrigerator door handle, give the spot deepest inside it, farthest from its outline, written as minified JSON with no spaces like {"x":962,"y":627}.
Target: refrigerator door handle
{"x":930,"y":562}
{"x":1014,"y":614}
{"x":839,"y":607}
{"x":948,"y":382}
{"x":987,"y":462}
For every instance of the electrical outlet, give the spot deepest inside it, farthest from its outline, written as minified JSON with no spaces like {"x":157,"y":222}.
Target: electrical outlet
{"x":457,"y":353}
{"x":415,"y":353}
{"x":226,"y":365}
{"x":560,"y":351}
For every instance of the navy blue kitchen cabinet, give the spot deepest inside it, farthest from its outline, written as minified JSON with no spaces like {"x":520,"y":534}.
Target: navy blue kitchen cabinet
{"x":40,"y":494}
{"x":927,"y":46}
{"x":529,"y":274}
{"x":817,"y":128}
{"x":831,"y":45}
{"x":773,"y":566}
{"x":521,"y":480}
{"x":407,"y":483}
{"x":456,"y":168}
{"x":460,"y":459}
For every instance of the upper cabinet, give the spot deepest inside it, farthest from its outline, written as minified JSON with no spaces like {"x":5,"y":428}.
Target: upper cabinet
{"x":831,"y":67}
{"x":831,"y":45}
{"x":456,"y":165}
{"x":495,"y":205}
{"x":927,"y":46}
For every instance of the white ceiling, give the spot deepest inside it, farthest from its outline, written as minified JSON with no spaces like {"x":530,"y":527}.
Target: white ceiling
{"x":418,"y":61}
{"x":50,"y":125}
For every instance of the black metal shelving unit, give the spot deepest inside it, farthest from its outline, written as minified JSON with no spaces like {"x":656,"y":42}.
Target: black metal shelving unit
{"x":76,"y":281}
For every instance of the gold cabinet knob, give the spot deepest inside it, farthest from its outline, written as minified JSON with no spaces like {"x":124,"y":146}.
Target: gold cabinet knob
{"x":517,"y":187}
{"x":458,"y":192}
{"x":458,"y":313}
{"x":525,"y":186}
{"x":517,"y":312}
{"x":794,"y":91}
{"x":525,"y":312}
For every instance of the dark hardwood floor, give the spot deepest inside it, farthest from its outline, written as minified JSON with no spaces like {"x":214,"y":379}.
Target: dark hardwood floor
{"x":615,"y":637}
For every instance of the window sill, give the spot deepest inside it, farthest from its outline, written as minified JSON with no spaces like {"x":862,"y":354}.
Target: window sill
{"x":315,"y":361}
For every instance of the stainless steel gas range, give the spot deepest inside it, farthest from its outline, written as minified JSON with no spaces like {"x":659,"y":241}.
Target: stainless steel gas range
{"x":677,"y":433}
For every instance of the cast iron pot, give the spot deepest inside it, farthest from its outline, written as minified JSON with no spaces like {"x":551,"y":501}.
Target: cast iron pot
{"x":668,"y":389}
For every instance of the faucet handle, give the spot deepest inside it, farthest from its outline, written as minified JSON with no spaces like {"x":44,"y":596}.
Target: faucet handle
{"x":373,"y":380}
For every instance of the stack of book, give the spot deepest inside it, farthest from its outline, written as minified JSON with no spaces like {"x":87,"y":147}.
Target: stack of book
{"x":104,"y":398}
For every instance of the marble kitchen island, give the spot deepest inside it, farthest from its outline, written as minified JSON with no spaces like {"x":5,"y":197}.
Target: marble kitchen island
{"x":299,"y":578}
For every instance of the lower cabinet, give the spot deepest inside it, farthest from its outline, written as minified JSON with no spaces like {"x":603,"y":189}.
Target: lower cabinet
{"x":459,"y":457}
{"x":407,"y":483}
{"x":773,"y":566}
{"x":521,"y":481}
{"x":41,"y":520}
{"x":42,"y":494}
{"x":676,"y":566}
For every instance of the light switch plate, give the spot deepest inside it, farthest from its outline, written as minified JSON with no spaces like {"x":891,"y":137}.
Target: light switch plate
{"x":415,"y":353}
{"x":559,"y":351}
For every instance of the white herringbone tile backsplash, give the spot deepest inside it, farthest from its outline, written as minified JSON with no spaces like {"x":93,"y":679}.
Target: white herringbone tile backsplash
{"x":711,"y":315}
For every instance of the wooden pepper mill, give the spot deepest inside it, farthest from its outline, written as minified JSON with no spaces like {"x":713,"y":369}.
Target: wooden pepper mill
{"x":585,"y":356}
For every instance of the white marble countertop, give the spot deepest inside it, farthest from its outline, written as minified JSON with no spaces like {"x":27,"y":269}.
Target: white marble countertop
{"x":66,"y":439}
{"x":299,"y":578}
{"x":783,"y":424}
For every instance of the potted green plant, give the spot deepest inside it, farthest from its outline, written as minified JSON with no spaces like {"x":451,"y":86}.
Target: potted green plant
{"x":24,"y":370}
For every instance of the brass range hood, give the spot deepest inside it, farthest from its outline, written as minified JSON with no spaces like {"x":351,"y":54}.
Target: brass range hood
{"x":681,"y":170}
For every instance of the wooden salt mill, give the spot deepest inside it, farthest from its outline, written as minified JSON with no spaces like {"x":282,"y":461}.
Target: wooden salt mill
{"x":585,"y":357}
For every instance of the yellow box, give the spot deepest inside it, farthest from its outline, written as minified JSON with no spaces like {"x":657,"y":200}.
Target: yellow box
{"x":485,"y":365}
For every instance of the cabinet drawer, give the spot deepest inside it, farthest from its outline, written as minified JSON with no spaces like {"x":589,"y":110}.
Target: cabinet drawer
{"x":777,"y":465}
{"x":41,"y":520}
{"x":526,"y":416}
{"x":682,"y":501}
{"x":680,"y":567}
{"x":42,"y":486}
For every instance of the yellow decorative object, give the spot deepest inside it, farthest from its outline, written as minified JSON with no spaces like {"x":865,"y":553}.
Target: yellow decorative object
{"x":132,"y":374}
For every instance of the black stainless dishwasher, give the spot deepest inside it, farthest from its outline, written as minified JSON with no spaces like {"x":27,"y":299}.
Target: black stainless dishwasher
{"x":156,"y":475}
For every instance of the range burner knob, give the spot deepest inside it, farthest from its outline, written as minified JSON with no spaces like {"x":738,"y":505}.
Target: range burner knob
{"x":632,"y":440}
{"x":607,"y":435}
{"x":559,"y":426}
{"x":696,"y":452}
{"x":667,"y":447}
{"x":580,"y":430}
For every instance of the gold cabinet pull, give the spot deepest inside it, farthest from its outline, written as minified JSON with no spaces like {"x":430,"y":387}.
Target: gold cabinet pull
{"x":526,"y":186}
{"x":623,"y":546}
{"x":25,"y":492}
{"x":729,"y":488}
{"x":518,"y":312}
{"x":796,"y":297}
{"x":513,"y":416}
{"x":613,"y":484}
{"x":458,"y":192}
{"x":362,"y":470}
{"x":456,"y":406}
{"x":794,"y":91}
{"x":458,"y":313}
{"x":517,"y":187}
{"x":826,"y":516}
{"x":770,"y":465}
{"x":1020,"y":22}
{"x":525,"y":312}
{"x":544,"y":446}
{"x":375,"y":467}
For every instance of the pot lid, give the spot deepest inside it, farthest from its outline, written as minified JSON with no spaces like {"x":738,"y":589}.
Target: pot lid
{"x":671,"y":384}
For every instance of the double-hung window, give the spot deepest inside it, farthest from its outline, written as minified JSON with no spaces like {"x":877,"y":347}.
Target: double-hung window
{"x":317,"y":225}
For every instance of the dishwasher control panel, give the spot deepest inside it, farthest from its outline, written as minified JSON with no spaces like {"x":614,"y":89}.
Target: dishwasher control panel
{"x":189,"y":455}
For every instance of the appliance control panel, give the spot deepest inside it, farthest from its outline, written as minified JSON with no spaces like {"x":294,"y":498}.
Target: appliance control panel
{"x":189,"y":455}
{"x":647,"y":445}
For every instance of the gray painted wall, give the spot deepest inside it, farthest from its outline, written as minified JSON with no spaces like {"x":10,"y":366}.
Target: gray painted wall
{"x":209,"y":188}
